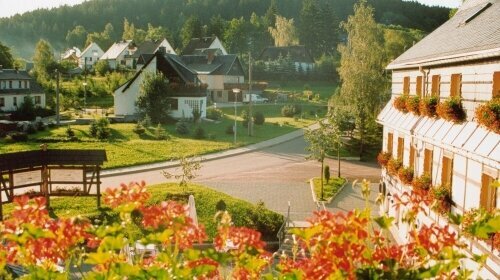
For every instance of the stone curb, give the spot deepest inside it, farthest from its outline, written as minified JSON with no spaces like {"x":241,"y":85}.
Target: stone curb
{"x":315,"y":199}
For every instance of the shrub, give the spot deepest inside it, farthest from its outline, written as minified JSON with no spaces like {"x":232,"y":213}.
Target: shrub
{"x":288,"y":111}
{"x":199,"y":133}
{"x":30,"y":128}
{"x":413,"y":104}
{"x":69,"y":132}
{"x":422,"y":183}
{"x":221,"y":205}
{"x":400,"y":103}
{"x":258,"y":118}
{"x":326,"y":173}
{"x":383,"y":158}
{"x":244,"y":116}
{"x":451,"y":110}
{"x":146,"y":121}
{"x":214,"y":114}
{"x":229,"y":130}
{"x":93,"y":129}
{"x":182,"y":128}
{"x":17,"y":137}
{"x":441,"y":197}
{"x":196,"y":115}
{"x":488,"y":115}
{"x":40,"y":126}
{"x":160,"y":133}
{"x":393,"y":166}
{"x":99,"y":128}
{"x":139,"y":129}
{"x":405,"y":174}
{"x":428,"y":105}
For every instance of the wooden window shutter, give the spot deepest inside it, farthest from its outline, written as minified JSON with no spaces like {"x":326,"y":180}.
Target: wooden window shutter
{"x":456,"y":85}
{"x":401,"y":147}
{"x":488,"y":193}
{"x":428,"y":162}
{"x":435,"y":87}
{"x":419,"y":86}
{"x":496,"y":85}
{"x":446,"y":174}
{"x":390,"y":142}
{"x":412,"y":156}
{"x":406,"y":85}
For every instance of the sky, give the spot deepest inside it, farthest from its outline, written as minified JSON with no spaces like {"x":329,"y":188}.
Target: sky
{"x":12,"y":7}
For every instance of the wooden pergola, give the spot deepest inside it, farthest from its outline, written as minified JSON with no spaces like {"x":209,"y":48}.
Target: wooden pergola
{"x":46,"y":170}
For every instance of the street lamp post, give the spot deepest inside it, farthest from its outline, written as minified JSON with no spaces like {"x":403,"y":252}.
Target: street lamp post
{"x":235,"y":91}
{"x":58,"y":117}
{"x":84,"y":96}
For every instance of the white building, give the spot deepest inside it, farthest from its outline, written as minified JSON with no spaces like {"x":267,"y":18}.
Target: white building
{"x":188,"y":94}
{"x":15,"y":86}
{"x":90,"y":55}
{"x":115,"y":55}
{"x":148,"y":47}
{"x":198,"y":45}
{"x":461,"y":58}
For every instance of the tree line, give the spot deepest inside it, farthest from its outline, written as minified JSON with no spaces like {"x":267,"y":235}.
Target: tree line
{"x":103,"y":19}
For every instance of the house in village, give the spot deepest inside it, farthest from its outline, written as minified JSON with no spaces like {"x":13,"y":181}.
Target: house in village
{"x":89,"y":56}
{"x":115,"y":55}
{"x":299,"y":55}
{"x":187,"y":91}
{"x":148,"y":47}
{"x":459,"y":60}
{"x":15,"y":86}
{"x":71,"y":55}
{"x":198,"y":45}
{"x":222,"y":73}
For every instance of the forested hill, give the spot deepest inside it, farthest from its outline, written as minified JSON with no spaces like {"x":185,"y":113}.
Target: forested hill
{"x":21,"y":32}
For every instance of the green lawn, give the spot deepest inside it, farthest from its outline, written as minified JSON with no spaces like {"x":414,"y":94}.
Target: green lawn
{"x":243,"y":213}
{"x":125,"y":148}
{"x":330,"y":189}
{"x":297,"y":89}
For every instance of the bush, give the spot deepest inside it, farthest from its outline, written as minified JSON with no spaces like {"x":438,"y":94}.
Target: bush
{"x":139,"y":129}
{"x":199,"y":133}
{"x":146,"y":121}
{"x":182,"y":128}
{"x":51,"y":124}
{"x":40,"y":126}
{"x":2,"y":133}
{"x":211,"y":136}
{"x":441,"y":197}
{"x":196,"y":115}
{"x":99,"y":129}
{"x":17,"y":137}
{"x":258,"y":118}
{"x":244,"y":116}
{"x":93,"y":129}
{"x":160,"y":133}
{"x":30,"y":128}
{"x":69,"y":132}
{"x":288,"y":111}
{"x":229,"y":130}
{"x":214,"y":114}
{"x":221,"y":205}
{"x":326,"y":173}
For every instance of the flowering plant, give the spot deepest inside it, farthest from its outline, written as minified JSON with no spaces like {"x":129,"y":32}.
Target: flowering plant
{"x":488,"y":115}
{"x":405,"y":174}
{"x":480,"y":223}
{"x":413,"y":104}
{"x":427,"y":106}
{"x":400,"y":103}
{"x":383,"y":158}
{"x":441,"y":197}
{"x":451,"y":110}
{"x":393,"y":166}
{"x":422,"y":183}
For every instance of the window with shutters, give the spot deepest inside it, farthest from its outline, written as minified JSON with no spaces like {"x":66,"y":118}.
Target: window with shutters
{"x":418,"y":89}
{"x":413,"y":151}
{"x":456,"y":85}
{"x":389,"y":142}
{"x":406,"y":85}
{"x":496,"y":84}
{"x":428,"y":162}
{"x":401,"y":148}
{"x":436,"y":85}
{"x":447,"y":171}
{"x":488,"y":193}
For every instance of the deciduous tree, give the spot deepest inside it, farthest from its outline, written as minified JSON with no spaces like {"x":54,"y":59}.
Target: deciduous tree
{"x":153,"y":100}
{"x":43,"y":58}
{"x":6,"y":59}
{"x":284,"y":32}
{"x":76,"y":37}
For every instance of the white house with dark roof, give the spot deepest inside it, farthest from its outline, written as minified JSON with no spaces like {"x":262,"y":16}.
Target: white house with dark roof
{"x":15,"y":86}
{"x":460,"y":59}
{"x":199,"y":45}
{"x":115,"y":55}
{"x":148,"y":47}
{"x":90,"y":55}
{"x":187,"y":91}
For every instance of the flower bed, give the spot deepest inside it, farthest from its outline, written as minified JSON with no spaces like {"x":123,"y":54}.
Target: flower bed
{"x":383,"y":158}
{"x":451,"y":110}
{"x":413,"y":104}
{"x":405,"y":174}
{"x":400,"y":103}
{"x":488,"y":115}
{"x":427,"y":106}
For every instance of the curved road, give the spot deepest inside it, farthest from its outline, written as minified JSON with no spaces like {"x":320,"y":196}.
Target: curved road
{"x":274,"y":175}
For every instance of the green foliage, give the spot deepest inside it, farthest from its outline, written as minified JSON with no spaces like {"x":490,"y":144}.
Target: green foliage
{"x":154,"y":98}
{"x":182,"y":128}
{"x":101,"y":67}
{"x":196,"y":115}
{"x":76,"y":37}
{"x":326,"y":173}
{"x":16,"y":137}
{"x":99,"y":128}
{"x":25,"y":111}
{"x":214,"y":114}
{"x":104,"y":39}
{"x":199,"y":133}
{"x":192,"y":28}
{"x":258,"y":118}
{"x":160,"y":133}
{"x":139,"y":129}
{"x":6,"y":59}
{"x":43,"y":58}
{"x":69,"y":132}
{"x":284,"y":32}
{"x":288,"y":111}
{"x":229,"y":130}
{"x":221,"y":205}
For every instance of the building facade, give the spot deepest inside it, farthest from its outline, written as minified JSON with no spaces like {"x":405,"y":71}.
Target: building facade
{"x":15,"y":87}
{"x":89,"y":56}
{"x":458,"y":66}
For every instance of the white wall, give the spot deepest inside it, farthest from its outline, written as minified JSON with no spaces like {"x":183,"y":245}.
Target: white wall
{"x":9,"y":100}
{"x":217,"y":44}
{"x":91,"y":59}
{"x":185,"y":110}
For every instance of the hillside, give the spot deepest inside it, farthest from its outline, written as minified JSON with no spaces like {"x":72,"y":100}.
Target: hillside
{"x":21,"y":32}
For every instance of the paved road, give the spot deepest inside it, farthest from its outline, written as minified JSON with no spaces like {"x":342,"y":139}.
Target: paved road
{"x":274,"y":175}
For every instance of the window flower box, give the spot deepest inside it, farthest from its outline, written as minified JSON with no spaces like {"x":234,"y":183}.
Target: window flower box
{"x":413,"y":104}
{"x":405,"y":174}
{"x":393,"y":166}
{"x":441,"y":197}
{"x":400,"y":103}
{"x":451,"y":110}
{"x":476,"y":223}
{"x":488,"y":115}
{"x":422,"y":183}
{"x":427,"y":106}
{"x":383,"y":158}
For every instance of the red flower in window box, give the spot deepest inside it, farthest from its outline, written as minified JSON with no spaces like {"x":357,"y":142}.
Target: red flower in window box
{"x":405,"y":174}
{"x":441,"y":196}
{"x":451,"y":110}
{"x":427,"y":106}
{"x":383,"y":158}
{"x":413,"y":104}
{"x":400,"y":103}
{"x":422,"y":183}
{"x":393,"y":166}
{"x":488,"y":115}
